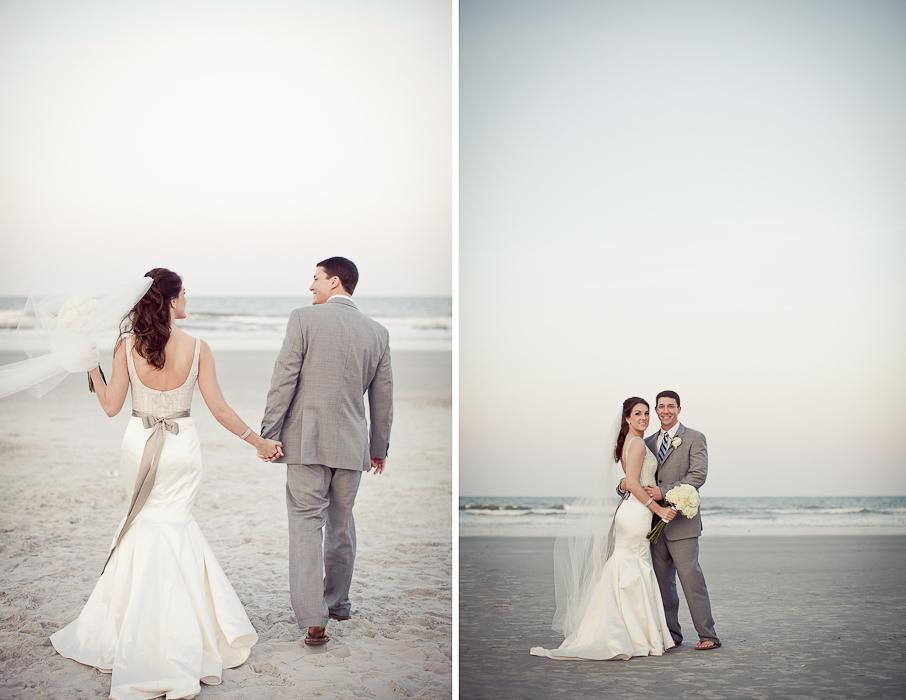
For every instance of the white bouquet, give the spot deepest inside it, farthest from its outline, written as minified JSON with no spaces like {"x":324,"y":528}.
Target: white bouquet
{"x":72,"y":344}
{"x":683,"y":498}
{"x":59,"y":335}
{"x":76,"y":313}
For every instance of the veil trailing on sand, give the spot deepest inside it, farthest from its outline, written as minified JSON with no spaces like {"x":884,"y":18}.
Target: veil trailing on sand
{"x":59,"y":335}
{"x":580,"y":555}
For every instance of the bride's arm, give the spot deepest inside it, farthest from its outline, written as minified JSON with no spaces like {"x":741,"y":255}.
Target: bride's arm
{"x":220,"y":409}
{"x":634,"y":458}
{"x":112,"y":396}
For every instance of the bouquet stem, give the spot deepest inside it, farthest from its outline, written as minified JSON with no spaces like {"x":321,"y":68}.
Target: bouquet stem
{"x":656,"y":531}
{"x":91,"y":383}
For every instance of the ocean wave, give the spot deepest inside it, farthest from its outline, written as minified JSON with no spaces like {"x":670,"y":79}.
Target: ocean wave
{"x":515,"y":513}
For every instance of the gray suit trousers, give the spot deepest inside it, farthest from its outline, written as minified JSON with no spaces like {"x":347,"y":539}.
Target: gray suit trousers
{"x":681,"y":557}
{"x":319,"y":500}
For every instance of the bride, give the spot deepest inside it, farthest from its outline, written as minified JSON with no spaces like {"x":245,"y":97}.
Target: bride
{"x":612,"y":609}
{"x":163,"y":616}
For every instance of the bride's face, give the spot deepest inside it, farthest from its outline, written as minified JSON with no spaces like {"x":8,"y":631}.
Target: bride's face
{"x":638,"y":418}
{"x":179,"y":305}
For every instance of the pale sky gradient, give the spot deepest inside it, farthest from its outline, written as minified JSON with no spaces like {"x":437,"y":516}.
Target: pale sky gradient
{"x":235,"y":142}
{"x":703,"y":196}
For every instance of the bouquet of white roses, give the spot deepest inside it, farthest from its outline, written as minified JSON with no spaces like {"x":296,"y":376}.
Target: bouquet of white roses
{"x":71,"y":342}
{"x":76,"y":313}
{"x":683,"y":498}
{"x":59,"y":334}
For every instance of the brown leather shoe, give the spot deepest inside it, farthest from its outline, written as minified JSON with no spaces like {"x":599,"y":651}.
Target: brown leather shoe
{"x":318,"y":639}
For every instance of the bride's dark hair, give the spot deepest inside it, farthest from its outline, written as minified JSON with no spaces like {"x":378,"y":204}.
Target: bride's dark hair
{"x":149,"y":319}
{"x":628,"y":405}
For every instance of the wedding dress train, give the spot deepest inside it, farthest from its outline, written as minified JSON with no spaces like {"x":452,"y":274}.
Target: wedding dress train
{"x":163,"y":616}
{"x":624,"y":613}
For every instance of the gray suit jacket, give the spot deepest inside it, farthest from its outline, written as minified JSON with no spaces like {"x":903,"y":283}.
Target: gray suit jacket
{"x":331,"y":355}
{"x":686,"y":464}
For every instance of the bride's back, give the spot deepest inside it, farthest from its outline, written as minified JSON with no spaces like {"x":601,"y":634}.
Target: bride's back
{"x":179,"y":354}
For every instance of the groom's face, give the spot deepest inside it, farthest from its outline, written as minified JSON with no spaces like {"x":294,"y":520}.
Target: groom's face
{"x":667,"y":411}
{"x":322,"y":286}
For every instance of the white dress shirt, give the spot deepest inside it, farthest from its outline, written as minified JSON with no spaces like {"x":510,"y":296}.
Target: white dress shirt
{"x":660,"y":437}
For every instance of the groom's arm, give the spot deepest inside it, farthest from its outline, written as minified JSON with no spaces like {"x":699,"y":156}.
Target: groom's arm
{"x":380,"y":402}
{"x":284,"y":379}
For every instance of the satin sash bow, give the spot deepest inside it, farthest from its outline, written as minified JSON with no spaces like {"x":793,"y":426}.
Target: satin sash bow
{"x":147,"y":471}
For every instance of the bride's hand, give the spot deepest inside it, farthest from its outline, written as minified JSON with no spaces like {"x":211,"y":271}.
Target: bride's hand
{"x":269,"y":450}
{"x":75,"y":353}
{"x":667,"y":514}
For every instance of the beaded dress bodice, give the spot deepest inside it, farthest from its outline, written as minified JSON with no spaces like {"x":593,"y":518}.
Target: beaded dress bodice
{"x":161,"y":403}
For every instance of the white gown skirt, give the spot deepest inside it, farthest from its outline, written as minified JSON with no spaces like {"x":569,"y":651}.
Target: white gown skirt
{"x":163,"y":617}
{"x":625,"y":613}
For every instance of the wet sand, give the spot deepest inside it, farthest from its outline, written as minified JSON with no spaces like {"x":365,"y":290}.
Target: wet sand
{"x":799,"y":617}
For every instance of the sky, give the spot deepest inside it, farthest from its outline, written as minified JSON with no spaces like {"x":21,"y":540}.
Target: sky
{"x":237,"y":143}
{"x":700,"y":196}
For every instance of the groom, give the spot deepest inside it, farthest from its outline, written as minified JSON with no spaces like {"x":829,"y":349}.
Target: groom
{"x":331,"y":355}
{"x":682,"y":456}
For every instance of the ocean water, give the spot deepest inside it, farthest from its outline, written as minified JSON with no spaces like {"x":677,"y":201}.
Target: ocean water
{"x":533,"y":517}
{"x":259,"y":323}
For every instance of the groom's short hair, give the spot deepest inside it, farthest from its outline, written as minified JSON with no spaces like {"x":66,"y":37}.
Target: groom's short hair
{"x":343,"y":268}
{"x":670,"y":395}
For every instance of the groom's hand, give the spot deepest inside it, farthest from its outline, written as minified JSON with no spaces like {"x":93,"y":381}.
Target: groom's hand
{"x":378,"y":464}
{"x":654,"y":492}
{"x":270,"y":450}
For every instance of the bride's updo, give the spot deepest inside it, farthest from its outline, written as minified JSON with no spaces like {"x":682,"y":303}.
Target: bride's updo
{"x":628,"y":404}
{"x":149,"y":320}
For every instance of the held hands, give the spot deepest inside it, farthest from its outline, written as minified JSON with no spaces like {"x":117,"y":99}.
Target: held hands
{"x":377,"y":463}
{"x":654,"y":492}
{"x":269,"y":450}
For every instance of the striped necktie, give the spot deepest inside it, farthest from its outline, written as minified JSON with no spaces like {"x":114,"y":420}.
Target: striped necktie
{"x":661,"y":452}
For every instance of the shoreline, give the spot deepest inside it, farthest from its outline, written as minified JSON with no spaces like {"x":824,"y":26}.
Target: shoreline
{"x":804,"y":532}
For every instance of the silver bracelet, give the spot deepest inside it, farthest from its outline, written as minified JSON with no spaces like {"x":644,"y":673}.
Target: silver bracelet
{"x":649,"y":502}
{"x":248,"y":431}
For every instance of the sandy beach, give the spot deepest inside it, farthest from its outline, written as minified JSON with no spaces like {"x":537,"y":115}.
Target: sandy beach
{"x":799,"y":617}
{"x":62,"y":500}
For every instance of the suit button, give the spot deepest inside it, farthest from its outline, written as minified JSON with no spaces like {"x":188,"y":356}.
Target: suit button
{"x":660,"y":481}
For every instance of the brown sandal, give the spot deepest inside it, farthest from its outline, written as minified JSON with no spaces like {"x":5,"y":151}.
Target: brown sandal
{"x":715,"y":644}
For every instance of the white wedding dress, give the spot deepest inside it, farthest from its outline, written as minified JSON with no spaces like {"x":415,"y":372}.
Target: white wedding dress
{"x":163,"y":615}
{"x":624,"y":616}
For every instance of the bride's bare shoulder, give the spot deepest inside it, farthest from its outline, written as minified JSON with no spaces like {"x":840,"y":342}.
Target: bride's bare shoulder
{"x":634,"y":442}
{"x":180,"y":334}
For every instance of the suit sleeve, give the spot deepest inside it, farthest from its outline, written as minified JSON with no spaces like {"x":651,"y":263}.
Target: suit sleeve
{"x":698,"y":465}
{"x":380,"y":402}
{"x":284,"y":379}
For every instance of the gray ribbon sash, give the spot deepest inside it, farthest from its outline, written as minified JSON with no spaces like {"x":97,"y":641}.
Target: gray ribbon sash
{"x":147,"y":471}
